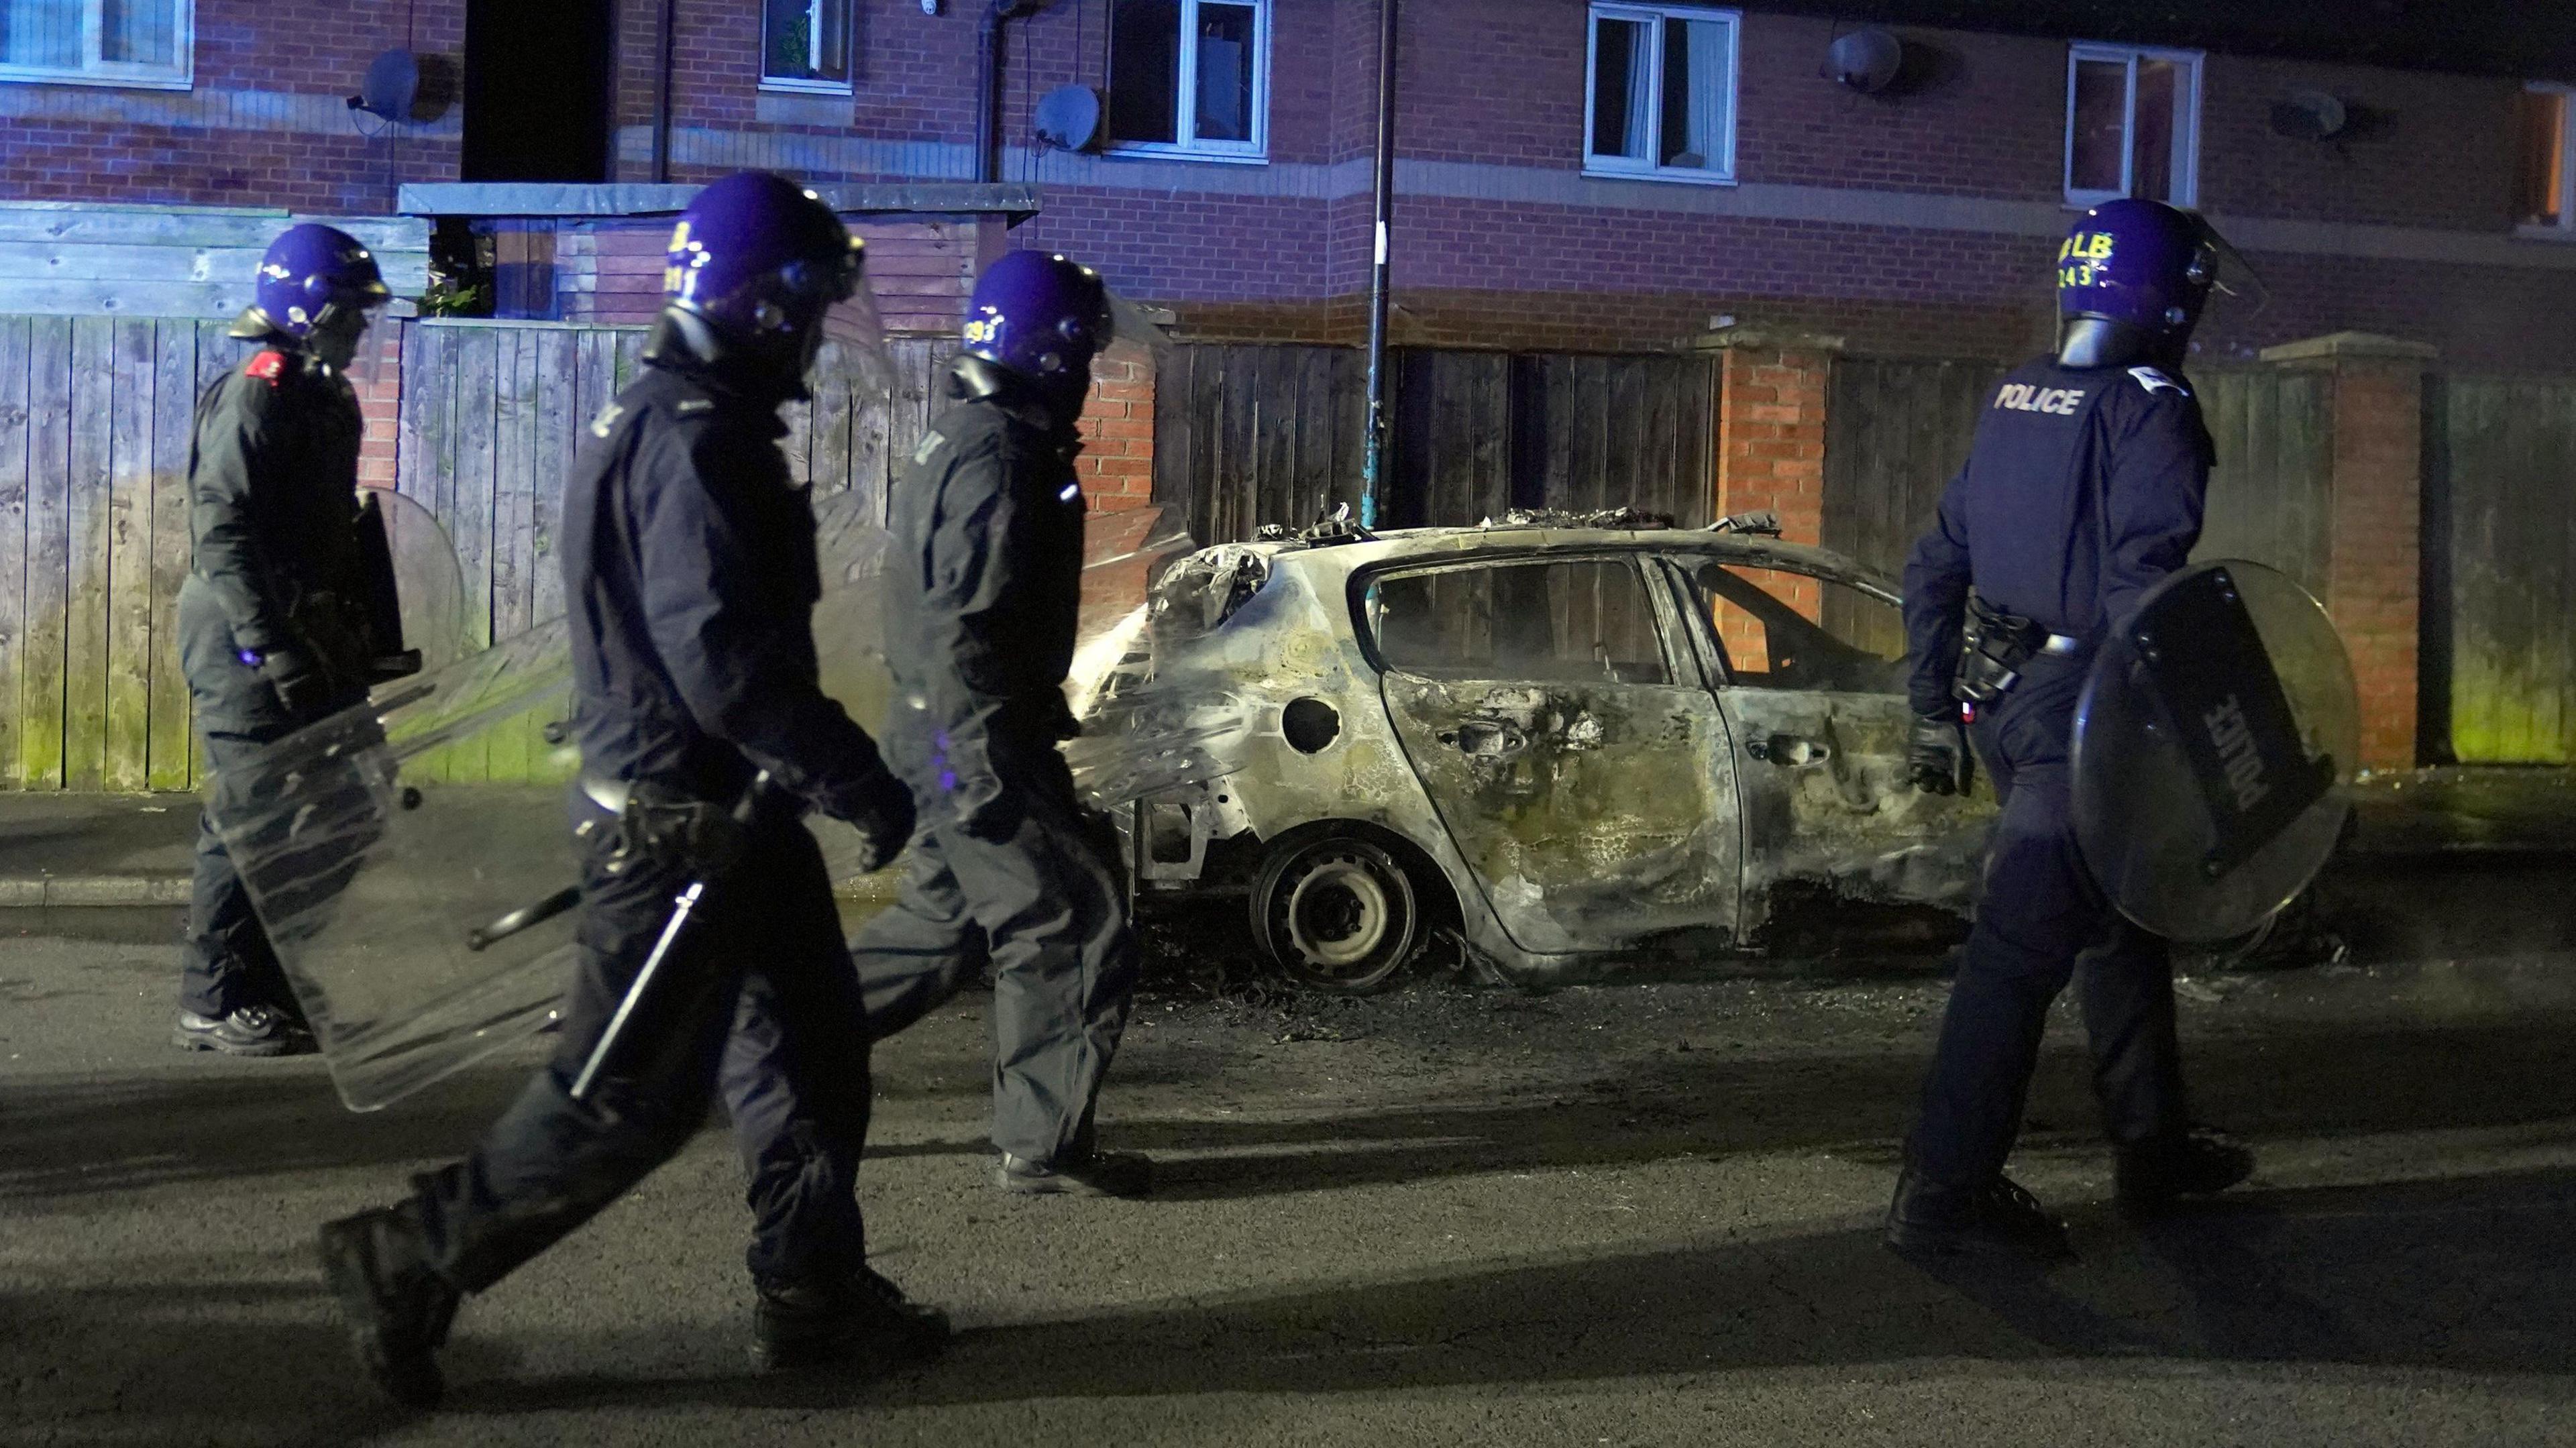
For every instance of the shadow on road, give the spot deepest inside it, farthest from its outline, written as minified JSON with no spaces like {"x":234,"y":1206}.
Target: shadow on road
{"x":73,"y":1140}
{"x":2328,"y":1083}
{"x":2465,"y":1275}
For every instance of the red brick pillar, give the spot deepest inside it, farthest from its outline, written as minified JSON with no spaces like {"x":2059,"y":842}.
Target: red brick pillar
{"x":376,"y":373}
{"x":1771,"y":453}
{"x":1117,"y":462}
{"x":2374,"y":567}
{"x":1116,"y":470}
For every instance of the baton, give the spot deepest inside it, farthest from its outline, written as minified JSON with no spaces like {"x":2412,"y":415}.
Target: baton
{"x":681,"y":909}
{"x":526,"y":916}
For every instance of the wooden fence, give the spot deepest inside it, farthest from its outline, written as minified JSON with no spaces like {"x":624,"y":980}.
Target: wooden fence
{"x":1249,"y":435}
{"x":95,"y":416}
{"x":2500,"y":569}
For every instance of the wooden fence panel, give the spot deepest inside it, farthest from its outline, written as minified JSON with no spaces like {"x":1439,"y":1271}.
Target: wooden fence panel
{"x":169,"y":743}
{"x":1248,"y":436}
{"x":15,"y":419}
{"x":128,"y":695}
{"x":49,"y":475}
{"x":2269,"y":493}
{"x":1896,"y":431}
{"x":2501,"y":556}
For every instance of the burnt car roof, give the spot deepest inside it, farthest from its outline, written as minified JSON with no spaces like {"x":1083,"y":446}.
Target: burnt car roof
{"x":1432,"y":545}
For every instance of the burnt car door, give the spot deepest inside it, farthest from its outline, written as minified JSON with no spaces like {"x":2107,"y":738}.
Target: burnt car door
{"x":1811,"y":675}
{"x":1549,"y":706}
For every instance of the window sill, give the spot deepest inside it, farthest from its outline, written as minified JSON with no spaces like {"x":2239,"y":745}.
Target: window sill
{"x":1671,"y":175}
{"x":2087,"y":200}
{"x":807,"y":87}
{"x":1157,"y":151}
{"x":17,"y":75}
{"x":2535,"y":231}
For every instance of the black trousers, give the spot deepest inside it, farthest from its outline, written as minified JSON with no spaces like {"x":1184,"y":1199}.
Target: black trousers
{"x":757,"y":999}
{"x":225,"y":961}
{"x":1048,"y":911}
{"x":2040,"y":921}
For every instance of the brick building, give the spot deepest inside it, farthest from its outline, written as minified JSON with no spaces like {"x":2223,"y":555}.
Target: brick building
{"x":1540,"y":203}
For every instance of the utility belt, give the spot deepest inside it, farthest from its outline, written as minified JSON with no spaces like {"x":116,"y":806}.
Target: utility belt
{"x":1996,"y":646}
{"x":660,"y":827}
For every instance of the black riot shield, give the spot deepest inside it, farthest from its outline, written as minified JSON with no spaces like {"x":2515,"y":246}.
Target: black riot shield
{"x":2212,"y":746}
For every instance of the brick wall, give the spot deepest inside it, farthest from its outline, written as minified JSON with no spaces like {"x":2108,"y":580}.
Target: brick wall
{"x":264,"y":125}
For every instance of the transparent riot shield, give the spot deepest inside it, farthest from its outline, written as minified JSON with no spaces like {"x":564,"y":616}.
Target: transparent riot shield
{"x":417,"y":608}
{"x":2213,"y":744}
{"x":411,"y":858}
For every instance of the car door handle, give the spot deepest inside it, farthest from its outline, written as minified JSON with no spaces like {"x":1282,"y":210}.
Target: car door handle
{"x":1486,"y":738}
{"x":1789,"y":751}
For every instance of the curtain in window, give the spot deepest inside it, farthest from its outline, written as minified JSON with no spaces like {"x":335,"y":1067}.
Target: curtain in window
{"x":138,"y":32}
{"x":1696,"y":94}
{"x":1623,"y":100}
{"x":41,"y":32}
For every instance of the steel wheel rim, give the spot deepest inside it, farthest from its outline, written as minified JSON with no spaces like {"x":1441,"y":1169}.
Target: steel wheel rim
{"x":1341,"y":893}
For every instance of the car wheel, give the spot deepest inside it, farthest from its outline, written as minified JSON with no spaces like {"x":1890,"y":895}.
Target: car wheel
{"x":1337,"y":912}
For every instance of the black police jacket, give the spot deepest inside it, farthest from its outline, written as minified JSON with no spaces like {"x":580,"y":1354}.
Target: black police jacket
{"x":689,"y":579}
{"x":983,"y":591}
{"x":272,"y":507}
{"x":2082,"y":489}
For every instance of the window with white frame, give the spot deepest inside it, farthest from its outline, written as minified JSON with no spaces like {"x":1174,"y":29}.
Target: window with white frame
{"x":2132,"y":124}
{"x":2544,"y":173}
{"x":1190,"y":78}
{"x":1661,"y":97}
{"x":805,"y":46}
{"x":98,"y":42}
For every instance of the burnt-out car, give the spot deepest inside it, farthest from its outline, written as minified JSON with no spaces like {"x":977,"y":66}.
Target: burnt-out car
{"x":1577,"y":747}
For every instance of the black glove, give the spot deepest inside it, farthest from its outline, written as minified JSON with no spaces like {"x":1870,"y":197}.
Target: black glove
{"x":303,"y":690}
{"x":1938,"y":761}
{"x":880,"y":809}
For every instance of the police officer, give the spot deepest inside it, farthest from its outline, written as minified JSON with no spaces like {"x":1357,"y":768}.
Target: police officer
{"x":985,"y":587}
{"x":2082,"y":489}
{"x":690,"y":575}
{"x":271,"y":631}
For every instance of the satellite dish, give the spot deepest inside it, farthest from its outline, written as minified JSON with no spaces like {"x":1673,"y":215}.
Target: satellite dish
{"x":2309,"y":116}
{"x":392,"y":84}
{"x":1068,"y":117}
{"x":1866,"y":60}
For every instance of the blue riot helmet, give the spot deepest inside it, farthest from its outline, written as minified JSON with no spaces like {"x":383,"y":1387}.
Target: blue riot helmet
{"x":2132,"y":278}
{"x":316,"y":285}
{"x":1041,"y":318}
{"x":756,"y":266}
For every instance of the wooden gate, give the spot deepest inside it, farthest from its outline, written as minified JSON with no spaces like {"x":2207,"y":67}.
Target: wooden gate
{"x":1251,"y":435}
{"x":2500,"y":568}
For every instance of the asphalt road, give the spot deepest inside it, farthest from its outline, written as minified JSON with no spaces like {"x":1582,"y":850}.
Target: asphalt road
{"x":1620,"y":1215}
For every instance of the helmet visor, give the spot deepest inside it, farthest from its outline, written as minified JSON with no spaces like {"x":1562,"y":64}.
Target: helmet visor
{"x":2229,"y":273}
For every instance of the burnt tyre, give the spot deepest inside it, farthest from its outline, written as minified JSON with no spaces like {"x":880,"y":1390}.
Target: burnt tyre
{"x":1337,"y":912}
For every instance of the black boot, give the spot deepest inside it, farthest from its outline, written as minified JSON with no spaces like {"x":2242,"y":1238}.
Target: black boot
{"x":863,"y":1321}
{"x":2195,"y":1162}
{"x":398,"y":1310}
{"x":1998,"y":1216}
